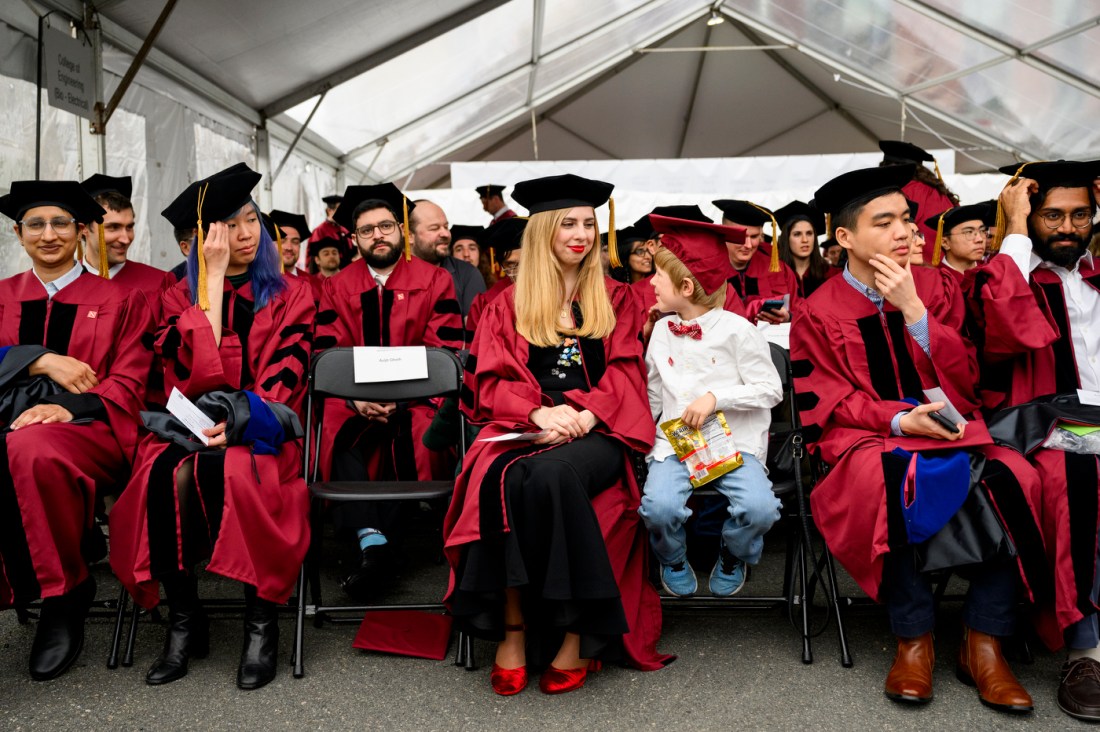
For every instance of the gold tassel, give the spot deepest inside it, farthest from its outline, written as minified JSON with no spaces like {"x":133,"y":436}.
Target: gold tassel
{"x":104,"y":268}
{"x":773,"y":266}
{"x":937,"y":251}
{"x":612,"y":240}
{"x":1002,"y":223}
{"x":936,"y":164}
{"x":279,"y":246}
{"x":405,"y":226}
{"x":828,"y":226}
{"x":202,"y":296}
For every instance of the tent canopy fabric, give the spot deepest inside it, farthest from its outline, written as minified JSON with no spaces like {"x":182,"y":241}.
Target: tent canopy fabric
{"x":414,"y":85}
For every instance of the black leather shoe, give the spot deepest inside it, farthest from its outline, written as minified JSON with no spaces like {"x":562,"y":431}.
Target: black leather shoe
{"x":1079,"y":690}
{"x":377,"y":569}
{"x":188,"y":632}
{"x":59,"y":637}
{"x":259,"y":656}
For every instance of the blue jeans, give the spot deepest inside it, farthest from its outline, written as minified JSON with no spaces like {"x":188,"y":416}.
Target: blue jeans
{"x":989,"y":607}
{"x":753,"y":509}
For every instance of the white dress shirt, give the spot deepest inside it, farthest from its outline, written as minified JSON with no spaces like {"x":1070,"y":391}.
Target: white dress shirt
{"x":111,"y":270}
{"x":56,"y":286}
{"x":381,"y":279}
{"x":1082,"y":305}
{"x":732,"y":361}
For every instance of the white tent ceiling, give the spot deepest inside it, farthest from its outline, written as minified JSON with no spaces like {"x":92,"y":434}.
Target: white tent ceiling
{"x":410,"y":86}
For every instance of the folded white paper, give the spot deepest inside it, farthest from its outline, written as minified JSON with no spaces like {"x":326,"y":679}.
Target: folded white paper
{"x":192,"y":417}
{"x":777,"y":333}
{"x":949,"y":411}
{"x":403,"y":363}
{"x":514,"y":436}
{"x":1091,"y":398}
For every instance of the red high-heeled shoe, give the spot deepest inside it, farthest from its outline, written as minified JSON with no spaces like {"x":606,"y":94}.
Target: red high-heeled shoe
{"x":561,"y":680}
{"x":509,"y":681}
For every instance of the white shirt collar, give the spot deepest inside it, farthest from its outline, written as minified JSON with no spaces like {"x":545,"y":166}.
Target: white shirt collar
{"x":1036,"y":261}
{"x":111,"y":271}
{"x":55,"y":286}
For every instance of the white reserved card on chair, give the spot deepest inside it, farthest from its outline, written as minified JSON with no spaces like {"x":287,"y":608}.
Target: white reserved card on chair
{"x":395,"y":363}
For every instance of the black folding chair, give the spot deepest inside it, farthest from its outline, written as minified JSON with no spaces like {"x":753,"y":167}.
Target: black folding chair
{"x":331,"y":377}
{"x":802,"y":567}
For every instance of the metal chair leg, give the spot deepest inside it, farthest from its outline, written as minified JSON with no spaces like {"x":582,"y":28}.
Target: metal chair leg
{"x":460,"y":649}
{"x":299,"y":625}
{"x":468,"y":642}
{"x":128,"y":657}
{"x":834,"y":598}
{"x":804,"y":601}
{"x":116,"y":637}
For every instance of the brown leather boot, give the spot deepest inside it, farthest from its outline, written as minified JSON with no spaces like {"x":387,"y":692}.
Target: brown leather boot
{"x":910,"y":678}
{"x":981,"y":664}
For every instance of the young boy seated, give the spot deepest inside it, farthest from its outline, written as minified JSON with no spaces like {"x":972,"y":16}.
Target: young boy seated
{"x":703,"y":359}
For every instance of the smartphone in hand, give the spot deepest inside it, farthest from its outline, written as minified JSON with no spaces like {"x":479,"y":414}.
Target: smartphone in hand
{"x":944,"y":422}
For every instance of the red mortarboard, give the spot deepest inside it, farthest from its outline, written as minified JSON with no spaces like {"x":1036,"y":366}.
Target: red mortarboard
{"x":701,"y":247}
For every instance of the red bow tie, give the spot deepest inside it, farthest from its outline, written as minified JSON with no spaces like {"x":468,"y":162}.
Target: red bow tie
{"x":692,"y":331}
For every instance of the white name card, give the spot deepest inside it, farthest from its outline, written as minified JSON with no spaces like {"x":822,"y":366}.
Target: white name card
{"x":949,"y":411}
{"x":192,"y":417}
{"x":399,"y":363}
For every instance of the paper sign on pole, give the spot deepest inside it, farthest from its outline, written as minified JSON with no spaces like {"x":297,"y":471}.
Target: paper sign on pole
{"x":69,"y":73}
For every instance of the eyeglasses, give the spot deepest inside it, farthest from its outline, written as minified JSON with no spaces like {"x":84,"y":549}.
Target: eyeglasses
{"x":367,"y":230}
{"x":59,"y":224}
{"x":971,"y":233}
{"x":1081,"y":219}
{"x":639,"y":253}
{"x":510,"y":269}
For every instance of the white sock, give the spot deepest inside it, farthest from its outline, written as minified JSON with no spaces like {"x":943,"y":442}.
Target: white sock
{"x":1093,"y":653}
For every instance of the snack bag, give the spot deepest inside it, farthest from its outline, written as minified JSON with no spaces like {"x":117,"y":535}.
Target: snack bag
{"x":707,"y":452}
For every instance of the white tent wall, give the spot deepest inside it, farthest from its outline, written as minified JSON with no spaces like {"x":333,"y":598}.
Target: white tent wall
{"x":162,"y":135}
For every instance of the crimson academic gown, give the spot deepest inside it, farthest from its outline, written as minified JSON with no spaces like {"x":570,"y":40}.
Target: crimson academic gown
{"x":151,"y":282}
{"x":930,"y":202}
{"x":802,"y":293}
{"x":756,"y":283}
{"x":330,"y":230}
{"x":48,"y":492}
{"x":852,"y":368}
{"x":500,"y":392}
{"x":1023,"y":334}
{"x":252,"y":519}
{"x":481,"y":301}
{"x":416,"y":308}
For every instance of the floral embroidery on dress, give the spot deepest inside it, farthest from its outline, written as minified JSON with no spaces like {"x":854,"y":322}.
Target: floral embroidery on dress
{"x":569,"y":358}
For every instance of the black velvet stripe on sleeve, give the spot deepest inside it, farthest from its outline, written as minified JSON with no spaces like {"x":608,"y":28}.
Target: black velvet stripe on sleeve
{"x":449,"y":334}
{"x":59,"y":329}
{"x":801,"y":368}
{"x":470,"y":366}
{"x":324,"y":317}
{"x":288,"y":377}
{"x":447,"y":306}
{"x":15,"y":555}
{"x":323,"y":342}
{"x":32,"y":323}
{"x":1081,"y":482}
{"x":1065,"y":367}
{"x":170,"y":343}
{"x":294,"y":350}
{"x":879,"y":362}
{"x":303,"y":329}
{"x":907,"y":370}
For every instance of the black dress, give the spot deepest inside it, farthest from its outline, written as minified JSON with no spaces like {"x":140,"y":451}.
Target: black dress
{"x":554,"y":552}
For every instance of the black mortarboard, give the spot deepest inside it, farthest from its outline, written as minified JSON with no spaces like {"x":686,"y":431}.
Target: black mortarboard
{"x":896,"y":152}
{"x":66,"y":194}
{"x":914,"y":209}
{"x":633,"y":233}
{"x":561,"y":191}
{"x":1056,"y":173}
{"x":689,"y":212}
{"x":315,"y":247}
{"x":463,"y":231}
{"x":861,"y":186}
{"x":332,"y":200}
{"x":221,"y":196}
{"x":504,"y":236}
{"x":294,"y":221}
{"x":211,"y":199}
{"x":796,"y":209}
{"x":354,"y":195}
{"x":743,"y":213}
{"x":99,"y":183}
{"x":701,"y":247}
{"x":490,"y":190}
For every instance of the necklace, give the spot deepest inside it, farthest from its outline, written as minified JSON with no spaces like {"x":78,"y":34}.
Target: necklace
{"x":566,"y":309}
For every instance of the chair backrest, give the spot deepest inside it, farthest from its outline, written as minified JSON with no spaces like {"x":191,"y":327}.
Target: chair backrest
{"x":333,"y":370}
{"x":781,"y":359}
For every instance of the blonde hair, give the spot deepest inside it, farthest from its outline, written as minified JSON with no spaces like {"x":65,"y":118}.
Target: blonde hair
{"x":677,"y":271}
{"x":540,"y":288}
